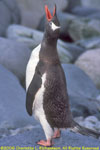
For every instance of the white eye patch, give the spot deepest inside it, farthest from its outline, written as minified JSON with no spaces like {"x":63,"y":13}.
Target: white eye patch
{"x":54,"y":27}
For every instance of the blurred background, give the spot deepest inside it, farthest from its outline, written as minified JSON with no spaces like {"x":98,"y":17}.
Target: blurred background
{"x":22,"y":24}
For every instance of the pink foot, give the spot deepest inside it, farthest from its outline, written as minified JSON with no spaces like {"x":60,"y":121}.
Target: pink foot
{"x":56,"y":134}
{"x":45,"y":143}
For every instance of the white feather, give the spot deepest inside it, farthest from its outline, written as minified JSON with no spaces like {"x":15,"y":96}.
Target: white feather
{"x":38,"y":110}
{"x":54,"y":27}
{"x":33,"y":61}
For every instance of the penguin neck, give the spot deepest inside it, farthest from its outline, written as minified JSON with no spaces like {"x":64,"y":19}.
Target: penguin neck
{"x":49,"y":49}
{"x":50,"y":41}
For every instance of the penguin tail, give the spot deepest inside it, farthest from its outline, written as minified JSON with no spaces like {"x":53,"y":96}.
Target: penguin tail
{"x":84,"y":131}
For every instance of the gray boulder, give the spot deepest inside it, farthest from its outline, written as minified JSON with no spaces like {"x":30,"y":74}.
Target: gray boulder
{"x":92,"y":119}
{"x":97,"y":126}
{"x":9,"y":14}
{"x":26,"y":35}
{"x":98,"y":98}
{"x":95,"y":15}
{"x":78,"y":82}
{"x":92,"y":122}
{"x":84,"y":11}
{"x":91,"y":3}
{"x":14,"y":56}
{"x":34,"y":37}
{"x":12,"y":102}
{"x":72,"y":4}
{"x":67,"y":140}
{"x":82,"y":92}
{"x":89,"y":43}
{"x":73,"y":49}
{"x":80,"y":28}
{"x":89,"y":62}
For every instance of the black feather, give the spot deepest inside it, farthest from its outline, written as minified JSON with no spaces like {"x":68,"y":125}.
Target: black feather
{"x":85,"y":131}
{"x":32,"y":90}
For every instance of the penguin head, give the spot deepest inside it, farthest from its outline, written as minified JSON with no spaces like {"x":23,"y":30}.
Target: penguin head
{"x":52,"y":23}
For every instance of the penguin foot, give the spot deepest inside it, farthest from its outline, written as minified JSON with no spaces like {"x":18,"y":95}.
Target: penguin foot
{"x":45,"y":143}
{"x":57,"y":134}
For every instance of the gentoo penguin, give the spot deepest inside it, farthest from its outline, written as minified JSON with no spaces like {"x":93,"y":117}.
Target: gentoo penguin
{"x":47,"y":97}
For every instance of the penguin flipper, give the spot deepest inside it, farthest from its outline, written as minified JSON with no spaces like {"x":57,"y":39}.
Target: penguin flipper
{"x":32,"y":90}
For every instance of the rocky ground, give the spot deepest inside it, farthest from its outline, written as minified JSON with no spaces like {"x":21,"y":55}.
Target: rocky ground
{"x":79,"y":52}
{"x":29,"y":139}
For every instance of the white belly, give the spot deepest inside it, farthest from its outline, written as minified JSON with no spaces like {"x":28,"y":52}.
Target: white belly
{"x":30,"y":69}
{"x":38,"y":111}
{"x":37,"y":108}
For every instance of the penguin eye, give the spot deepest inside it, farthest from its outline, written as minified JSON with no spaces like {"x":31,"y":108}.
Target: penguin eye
{"x":50,"y":23}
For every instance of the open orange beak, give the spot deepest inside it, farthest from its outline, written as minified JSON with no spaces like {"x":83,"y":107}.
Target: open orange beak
{"x":48,"y":14}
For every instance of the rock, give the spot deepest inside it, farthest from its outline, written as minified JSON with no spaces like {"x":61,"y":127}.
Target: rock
{"x":84,"y":11}
{"x":72,"y":4}
{"x":89,"y":125}
{"x":92,"y":119}
{"x":75,"y":81}
{"x":33,"y":37}
{"x":65,"y":56}
{"x":98,"y":98}
{"x":22,"y":129}
{"x":91,"y":122}
{"x":9,"y":14}
{"x":14,"y":56}
{"x":83,"y":28}
{"x":30,"y":138}
{"x":28,"y":8}
{"x":95,"y":15}
{"x":13,"y":7}
{"x":90,"y":43}
{"x":26,"y":35}
{"x":95,"y":24}
{"x":97,"y":126}
{"x":89,"y":62}
{"x":82,"y":92}
{"x":81,"y":106}
{"x":79,"y":120}
{"x":12,"y":103}
{"x":73,"y":49}
{"x":91,"y":3}
{"x":4,"y":132}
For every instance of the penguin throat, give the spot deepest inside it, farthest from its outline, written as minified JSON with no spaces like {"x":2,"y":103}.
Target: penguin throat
{"x":52,"y":41}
